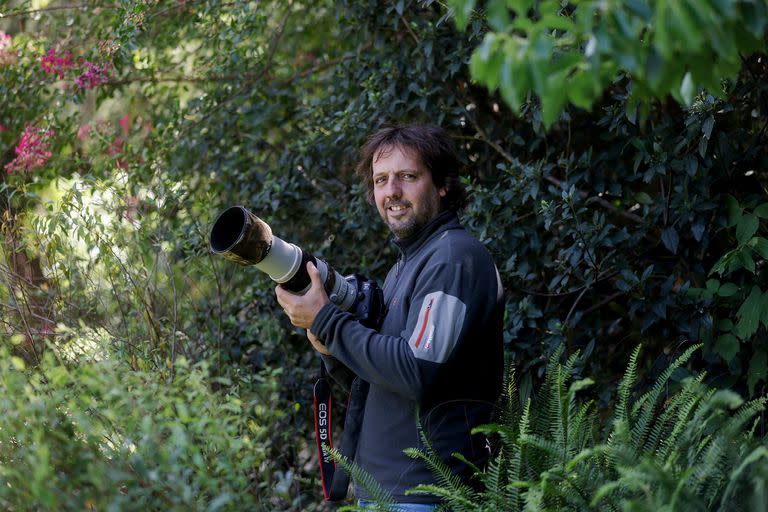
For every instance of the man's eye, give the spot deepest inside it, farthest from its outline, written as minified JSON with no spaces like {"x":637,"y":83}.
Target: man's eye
{"x":379,"y":181}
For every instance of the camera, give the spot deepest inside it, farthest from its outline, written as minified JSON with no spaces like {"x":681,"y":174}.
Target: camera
{"x":242,"y":237}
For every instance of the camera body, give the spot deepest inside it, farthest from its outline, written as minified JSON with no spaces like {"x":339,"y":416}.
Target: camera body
{"x":244,"y":238}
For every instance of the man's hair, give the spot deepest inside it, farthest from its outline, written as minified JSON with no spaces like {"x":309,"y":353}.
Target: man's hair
{"x":435,"y":151}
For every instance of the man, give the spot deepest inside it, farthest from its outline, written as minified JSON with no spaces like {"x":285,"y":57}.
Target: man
{"x":438,"y":356}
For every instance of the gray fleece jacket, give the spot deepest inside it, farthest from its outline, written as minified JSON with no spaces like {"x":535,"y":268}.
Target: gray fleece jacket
{"x":438,"y":356}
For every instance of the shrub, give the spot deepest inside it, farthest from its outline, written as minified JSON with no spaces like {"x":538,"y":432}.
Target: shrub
{"x":96,"y":434}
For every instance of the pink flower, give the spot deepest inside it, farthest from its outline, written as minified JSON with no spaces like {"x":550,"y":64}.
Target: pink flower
{"x":125,"y":124}
{"x":83,"y":131}
{"x":55,"y":63}
{"x":94,"y":75}
{"x":7,"y":55}
{"x":116,"y":149}
{"x":32,"y":150}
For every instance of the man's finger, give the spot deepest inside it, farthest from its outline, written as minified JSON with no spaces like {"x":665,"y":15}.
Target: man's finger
{"x":314,"y":274}
{"x":279,"y":293}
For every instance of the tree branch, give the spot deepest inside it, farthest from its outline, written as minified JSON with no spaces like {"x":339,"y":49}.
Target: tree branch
{"x":58,"y":8}
{"x":583,"y":195}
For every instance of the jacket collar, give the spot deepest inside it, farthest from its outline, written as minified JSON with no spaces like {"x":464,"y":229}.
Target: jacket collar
{"x":443,"y":222}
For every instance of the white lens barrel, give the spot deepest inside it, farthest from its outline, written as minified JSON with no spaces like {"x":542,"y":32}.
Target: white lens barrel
{"x":282,"y":260}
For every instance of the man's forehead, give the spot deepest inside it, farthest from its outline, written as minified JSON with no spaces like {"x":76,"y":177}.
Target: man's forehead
{"x":385,"y":151}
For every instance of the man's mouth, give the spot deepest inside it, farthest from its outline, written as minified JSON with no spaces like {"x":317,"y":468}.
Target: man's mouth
{"x":397,"y":209}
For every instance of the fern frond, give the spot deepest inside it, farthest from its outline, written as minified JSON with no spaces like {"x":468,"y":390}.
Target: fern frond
{"x":570,"y":363}
{"x":759,"y":453}
{"x":494,"y":480}
{"x":677,"y":409}
{"x":514,"y":474}
{"x":507,"y":435}
{"x":455,"y":490}
{"x":686,"y":426}
{"x":457,"y":502}
{"x":510,"y":398}
{"x":550,"y":396}
{"x":746,"y":412}
{"x":639,"y":430}
{"x":581,"y":430}
{"x":444,"y":477}
{"x":378,"y":495}
{"x":625,"y":387}
{"x":605,"y":491}
{"x":534,"y":500}
{"x":525,"y":419}
{"x":550,"y":448}
{"x":707,"y":467}
{"x":475,"y":470}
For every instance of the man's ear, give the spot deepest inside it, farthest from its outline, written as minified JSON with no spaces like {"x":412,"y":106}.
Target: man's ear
{"x":442,"y":191}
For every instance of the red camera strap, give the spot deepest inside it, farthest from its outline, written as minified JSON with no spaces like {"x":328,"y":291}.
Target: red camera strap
{"x":323,"y":405}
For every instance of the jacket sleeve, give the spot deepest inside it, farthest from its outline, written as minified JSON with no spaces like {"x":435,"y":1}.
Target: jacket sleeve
{"x":446,"y":302}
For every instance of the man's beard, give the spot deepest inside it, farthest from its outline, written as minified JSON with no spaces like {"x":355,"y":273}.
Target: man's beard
{"x":413,"y":224}
{"x":407,"y":228}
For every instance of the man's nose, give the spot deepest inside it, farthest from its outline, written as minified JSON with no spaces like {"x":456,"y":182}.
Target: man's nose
{"x":393,"y":188}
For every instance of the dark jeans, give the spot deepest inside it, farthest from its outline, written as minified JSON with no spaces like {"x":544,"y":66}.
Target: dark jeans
{"x":402,"y":507}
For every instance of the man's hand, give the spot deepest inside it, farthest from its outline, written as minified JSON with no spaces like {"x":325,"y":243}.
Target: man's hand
{"x":302,"y":309}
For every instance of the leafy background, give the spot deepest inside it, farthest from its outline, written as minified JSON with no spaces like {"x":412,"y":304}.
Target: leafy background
{"x":616,"y":162}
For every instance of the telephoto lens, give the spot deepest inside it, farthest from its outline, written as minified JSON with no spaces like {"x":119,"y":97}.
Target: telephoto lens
{"x":242,"y":237}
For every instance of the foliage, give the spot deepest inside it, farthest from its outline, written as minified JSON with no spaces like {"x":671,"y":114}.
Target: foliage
{"x":96,"y":434}
{"x":126,"y":126}
{"x":693,"y":448}
{"x":379,"y":496}
{"x":572,"y":51}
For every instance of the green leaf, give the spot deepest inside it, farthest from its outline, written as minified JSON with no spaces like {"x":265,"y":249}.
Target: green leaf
{"x":727,"y":346}
{"x":712,"y":285}
{"x":757,"y":369}
{"x":498,"y":15}
{"x":725,"y":325}
{"x":486,"y":62}
{"x":762,"y":211}
{"x":462,"y":11}
{"x":746,"y":228}
{"x":670,"y":239}
{"x":643,"y":198}
{"x":556,"y":22}
{"x":687,"y":89}
{"x":761,"y":246}
{"x":520,"y":6}
{"x":581,"y":90}
{"x":720,"y":266}
{"x":727,"y":289}
{"x":514,"y":81}
{"x":734,"y":210}
{"x":553,"y":99}
{"x":749,"y":314}
{"x":745,"y":258}
{"x":764,"y":310}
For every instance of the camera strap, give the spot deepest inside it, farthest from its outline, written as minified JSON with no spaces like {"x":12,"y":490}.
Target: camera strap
{"x":323,"y":407}
{"x":334,"y":479}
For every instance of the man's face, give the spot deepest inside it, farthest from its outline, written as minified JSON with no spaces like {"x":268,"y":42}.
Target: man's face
{"x":403,"y":191}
